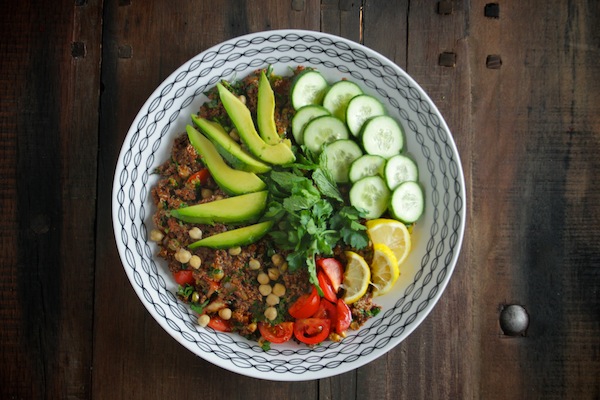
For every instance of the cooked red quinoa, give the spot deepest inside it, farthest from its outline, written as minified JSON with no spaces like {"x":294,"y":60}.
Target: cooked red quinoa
{"x":228,"y":279}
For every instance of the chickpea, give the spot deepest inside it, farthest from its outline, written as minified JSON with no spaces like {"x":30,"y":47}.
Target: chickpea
{"x":278,"y":290}
{"x":206,"y":193}
{"x":156,"y":235}
{"x":242,"y":98}
{"x":265,"y":290}
{"x":234,"y":251}
{"x":183,"y":255}
{"x":272,"y":300}
{"x":277,"y":259}
{"x":254,"y":264}
{"x":271,"y":313}
{"x":334,"y":337}
{"x":225,"y":313}
{"x":203,"y":320}
{"x":273,"y":274}
{"x":195,"y":262}
{"x":195,"y":233}
{"x":283,"y":267}
{"x":263,"y":278}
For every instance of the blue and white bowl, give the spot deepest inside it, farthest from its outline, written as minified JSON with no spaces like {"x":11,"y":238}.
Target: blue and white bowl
{"x":436,"y":239}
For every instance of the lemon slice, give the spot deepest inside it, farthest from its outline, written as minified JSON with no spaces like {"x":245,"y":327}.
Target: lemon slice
{"x":394,"y":234}
{"x":356,"y":277}
{"x":384,"y":269}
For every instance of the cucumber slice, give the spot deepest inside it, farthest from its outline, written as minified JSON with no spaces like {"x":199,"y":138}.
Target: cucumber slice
{"x":339,"y":95}
{"x":323,"y":130}
{"x":302,"y":117}
{"x":408,"y":202}
{"x":360,"y":108}
{"x":400,"y":168}
{"x":370,"y":194}
{"x":382,"y":136}
{"x":309,"y":87}
{"x":338,"y":157}
{"x":366,"y":165}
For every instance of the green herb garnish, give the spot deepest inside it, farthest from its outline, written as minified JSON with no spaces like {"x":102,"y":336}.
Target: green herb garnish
{"x":312,"y":218}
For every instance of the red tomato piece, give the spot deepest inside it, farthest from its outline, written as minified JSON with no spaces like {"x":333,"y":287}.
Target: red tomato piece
{"x":212,"y":287}
{"x":326,"y":287}
{"x":312,"y":330}
{"x":199,"y":177}
{"x":327,"y":310}
{"x":334,"y":271}
{"x":279,"y":333}
{"x":184,"y":276}
{"x":306,"y":305}
{"x":219,"y":324}
{"x":343,"y":317}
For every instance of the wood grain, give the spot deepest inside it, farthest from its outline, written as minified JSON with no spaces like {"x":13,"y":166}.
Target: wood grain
{"x":73,"y":76}
{"x":534,"y":128}
{"x":49,"y":96}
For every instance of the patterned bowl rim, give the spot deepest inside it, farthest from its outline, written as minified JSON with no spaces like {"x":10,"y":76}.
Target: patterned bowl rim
{"x":168,"y":108}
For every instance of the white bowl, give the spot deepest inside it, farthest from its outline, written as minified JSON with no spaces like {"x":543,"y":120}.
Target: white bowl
{"x":437,"y":237}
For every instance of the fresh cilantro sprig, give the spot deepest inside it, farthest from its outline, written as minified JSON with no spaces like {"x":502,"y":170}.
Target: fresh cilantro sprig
{"x":312,"y":218}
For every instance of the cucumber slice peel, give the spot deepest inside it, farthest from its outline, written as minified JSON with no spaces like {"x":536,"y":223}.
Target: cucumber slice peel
{"x":370,"y":194}
{"x":400,"y":168}
{"x":303,"y":116}
{"x":407,"y":202}
{"x":309,"y":87}
{"x":338,"y":156}
{"x":383,"y":136}
{"x":339,"y":95}
{"x":361,"y":108}
{"x":323,"y":130}
{"x":366,"y":165}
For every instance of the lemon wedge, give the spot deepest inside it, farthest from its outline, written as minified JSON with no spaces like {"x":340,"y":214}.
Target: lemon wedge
{"x":394,"y":234}
{"x":384,"y":269}
{"x":356,"y":277}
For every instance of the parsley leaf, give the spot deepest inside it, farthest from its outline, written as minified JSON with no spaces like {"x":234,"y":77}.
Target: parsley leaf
{"x":312,"y":218}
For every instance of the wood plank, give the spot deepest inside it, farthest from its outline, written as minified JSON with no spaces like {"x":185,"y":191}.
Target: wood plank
{"x":341,"y":18}
{"x":438,"y":347}
{"x":49,"y":124}
{"x":130,"y":346}
{"x":536,"y":119}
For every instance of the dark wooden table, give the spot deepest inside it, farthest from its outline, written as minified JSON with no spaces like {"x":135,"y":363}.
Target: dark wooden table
{"x":519,"y":85}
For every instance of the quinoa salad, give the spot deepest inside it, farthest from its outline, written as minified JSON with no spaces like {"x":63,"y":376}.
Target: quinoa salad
{"x":289,"y":281}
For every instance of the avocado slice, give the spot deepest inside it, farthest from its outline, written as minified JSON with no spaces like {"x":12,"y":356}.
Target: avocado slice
{"x":242,"y":208}
{"x":235,"y":237}
{"x":265,"y":111}
{"x":239,"y":114}
{"x":231,"y":180}
{"x":217,"y":134}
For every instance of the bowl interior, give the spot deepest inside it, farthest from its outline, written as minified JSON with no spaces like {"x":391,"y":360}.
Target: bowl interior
{"x":436,"y":239}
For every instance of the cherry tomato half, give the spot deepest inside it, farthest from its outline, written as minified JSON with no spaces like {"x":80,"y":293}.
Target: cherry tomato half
{"x":326,"y":287}
{"x":219,"y":324}
{"x":334,"y":271}
{"x":199,"y":177}
{"x":343,"y":317}
{"x":279,"y":333}
{"x":327,"y":310}
{"x":184,"y":277}
{"x":312,"y":330}
{"x":306,"y":305}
